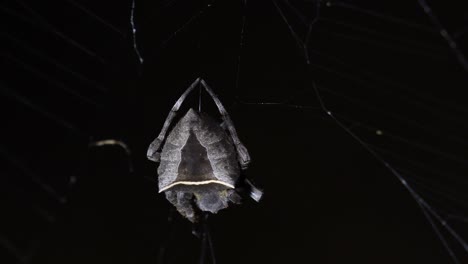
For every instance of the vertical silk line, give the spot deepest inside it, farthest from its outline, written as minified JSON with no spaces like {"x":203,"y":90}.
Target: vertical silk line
{"x":309,"y":30}
{"x":132,"y":23}
{"x":241,"y":42}
{"x":199,"y":98}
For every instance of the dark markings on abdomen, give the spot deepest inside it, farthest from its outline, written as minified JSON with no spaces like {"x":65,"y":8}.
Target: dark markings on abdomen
{"x":194,"y":165}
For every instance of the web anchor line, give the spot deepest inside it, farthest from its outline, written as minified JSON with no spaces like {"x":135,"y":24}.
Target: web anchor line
{"x":134,"y":31}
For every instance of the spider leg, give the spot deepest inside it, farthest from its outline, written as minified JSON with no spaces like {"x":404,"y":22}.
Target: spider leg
{"x":243,"y":154}
{"x":183,"y":203}
{"x":153,"y":149}
{"x":234,"y":197}
{"x":254,"y":192}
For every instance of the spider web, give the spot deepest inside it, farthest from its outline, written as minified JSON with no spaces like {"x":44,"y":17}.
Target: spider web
{"x":440,"y":206}
{"x":353,"y":112}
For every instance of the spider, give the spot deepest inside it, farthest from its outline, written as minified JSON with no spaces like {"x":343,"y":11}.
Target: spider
{"x":201,"y":160}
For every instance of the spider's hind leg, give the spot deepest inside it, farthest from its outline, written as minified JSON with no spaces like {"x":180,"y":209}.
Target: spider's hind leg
{"x":234,"y":197}
{"x":243,"y":156}
{"x":254,"y":192}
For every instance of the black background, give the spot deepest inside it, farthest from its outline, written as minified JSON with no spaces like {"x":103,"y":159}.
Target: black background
{"x":71,"y":77}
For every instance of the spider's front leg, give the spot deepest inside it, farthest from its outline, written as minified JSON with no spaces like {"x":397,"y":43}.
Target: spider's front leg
{"x":153,"y":149}
{"x":242,"y":153}
{"x":243,"y":156}
{"x":153,"y":153}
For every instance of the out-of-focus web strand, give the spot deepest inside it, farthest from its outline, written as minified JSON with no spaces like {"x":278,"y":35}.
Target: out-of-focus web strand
{"x":439,"y":235}
{"x":430,"y":130}
{"x":416,"y":164}
{"x":409,"y":161}
{"x":421,"y":146}
{"x":421,"y":127}
{"x":51,"y":80}
{"x":439,"y":191}
{"x":444,"y":33}
{"x":26,"y":102}
{"x":403,"y":119}
{"x":419,"y":104}
{"x":56,"y":63}
{"x":96,"y":17}
{"x":181,"y":28}
{"x":427,"y":9}
{"x":372,"y":75}
{"x":373,"y":42}
{"x":392,"y":84}
{"x":12,"y":249}
{"x":43,"y":23}
{"x":431,"y":50}
{"x":390,"y":89}
{"x":386,"y":17}
{"x":32,"y":176}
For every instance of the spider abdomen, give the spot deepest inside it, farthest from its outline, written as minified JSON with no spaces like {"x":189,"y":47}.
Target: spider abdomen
{"x":197,"y":152}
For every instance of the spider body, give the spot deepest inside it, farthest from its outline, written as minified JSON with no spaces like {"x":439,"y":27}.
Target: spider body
{"x":200,"y":161}
{"x":198,"y":158}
